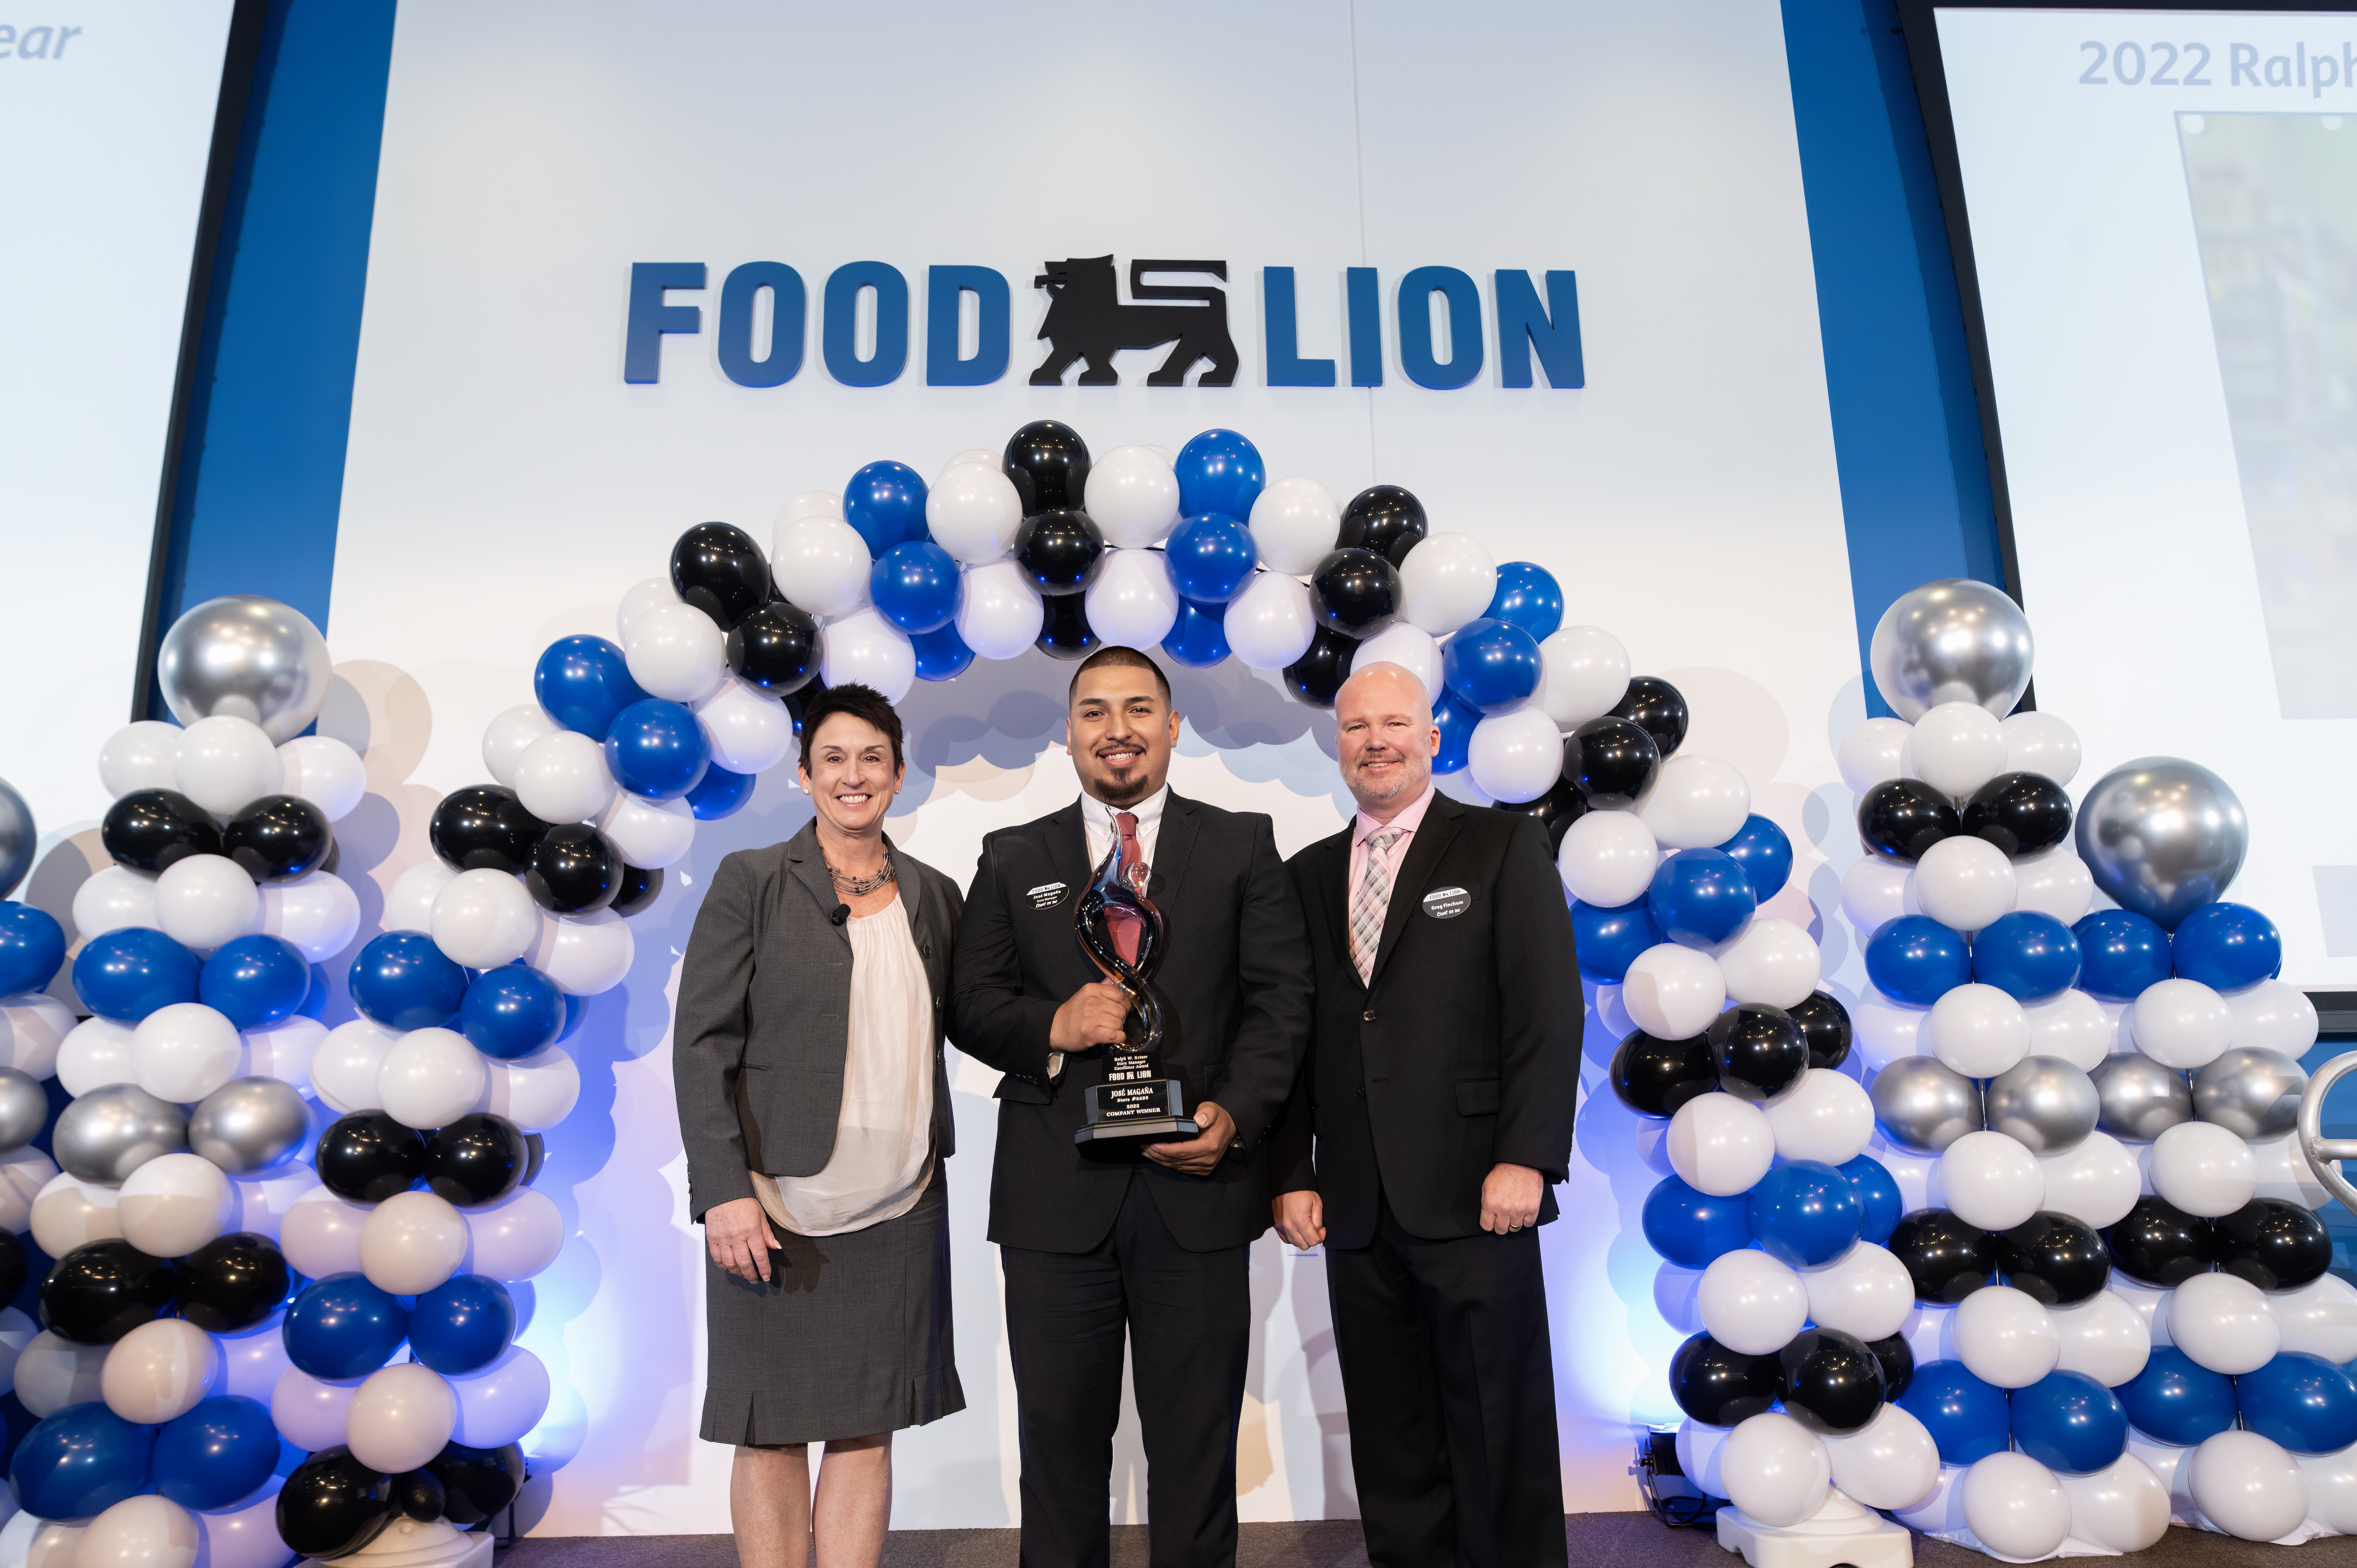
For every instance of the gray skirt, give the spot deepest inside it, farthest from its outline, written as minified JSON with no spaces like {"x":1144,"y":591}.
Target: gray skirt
{"x":849,"y":1339}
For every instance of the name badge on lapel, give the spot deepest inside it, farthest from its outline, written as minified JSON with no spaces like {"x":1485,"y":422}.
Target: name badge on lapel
{"x":1046,"y":896}
{"x":1447,"y":903}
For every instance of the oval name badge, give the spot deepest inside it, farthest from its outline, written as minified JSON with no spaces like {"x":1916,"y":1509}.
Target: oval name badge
{"x":1447,"y":903}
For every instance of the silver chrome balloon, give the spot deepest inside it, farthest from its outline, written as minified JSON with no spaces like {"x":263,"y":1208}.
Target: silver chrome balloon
{"x":109,"y":1132}
{"x":249,"y":657}
{"x":2251,"y":1092}
{"x":23,"y":1109}
{"x":1954,"y":640}
{"x":2162,"y":836}
{"x":2043,"y":1103}
{"x":250,"y":1124}
{"x":1925,"y":1105}
{"x":2325,"y":1154}
{"x":2140,"y":1098}
{"x":18,"y":837}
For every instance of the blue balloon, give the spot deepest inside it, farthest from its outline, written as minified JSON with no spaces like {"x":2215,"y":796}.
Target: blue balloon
{"x":80,"y":1462}
{"x":1219,"y":472}
{"x":1967,"y":1418}
{"x":512,"y":1012}
{"x":719,"y":793}
{"x":1492,"y":665}
{"x":343,"y":1326}
{"x":32,"y":948}
{"x":1455,"y":720}
{"x":1700,"y":897}
{"x":1916,"y":958}
{"x":400,"y":980}
{"x":2120,"y":953}
{"x":2026,"y":955}
{"x":1211,"y":558}
{"x":255,"y":981}
{"x":462,"y":1323}
{"x":1609,"y":940}
{"x":2299,"y":1401}
{"x":315,"y":1005}
{"x":915,"y":586}
{"x":217,"y":1453}
{"x":2225,"y":946}
{"x":1765,"y":852}
{"x":2175,"y":1400}
{"x":1805,"y":1213}
{"x":1878,"y":1196}
{"x":577,"y":1011}
{"x":1691,"y":1228}
{"x":656,"y":750}
{"x":582,"y":682}
{"x":124,"y":975}
{"x":885,"y":503}
{"x":1527,"y":596}
{"x":942,"y":653}
{"x":1199,"y":639}
{"x":2070,"y":1423}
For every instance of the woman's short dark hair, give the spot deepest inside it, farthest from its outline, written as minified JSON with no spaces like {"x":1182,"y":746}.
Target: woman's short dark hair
{"x":859,"y":702}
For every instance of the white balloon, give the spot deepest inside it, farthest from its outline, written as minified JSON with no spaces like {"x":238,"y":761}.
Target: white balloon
{"x":502,"y":1402}
{"x":1720,"y":1146}
{"x":584,"y":954}
{"x":253,"y":1360}
{"x":507,"y":736}
{"x":2005,"y":1338}
{"x":34,"y":1543}
{"x":820,"y":562}
{"x":1771,"y":961}
{"x":2069,"y":1024}
{"x":1269,"y":624}
{"x":1447,"y":580}
{"x":1869,"y":753}
{"x":2182,"y":1023}
{"x":2102,"y":1336}
{"x":325,"y":772}
{"x":205,"y":900}
{"x":412,"y":1242}
{"x":1133,"y":497}
{"x":2273,"y":1015}
{"x":2057,"y":883}
{"x":1673,"y":993}
{"x":1699,"y":1449}
{"x":2224,"y":1322}
{"x":562,"y":777}
{"x":70,"y":1213}
{"x":678,"y":653}
{"x":172,"y":1204}
{"x":33,"y":1027}
{"x":1776,"y":1469}
{"x":864,"y":647}
{"x":2318,"y":1318}
{"x":1963,"y":882}
{"x":22,"y":1175}
{"x":999,"y":613}
{"x":646,"y":593}
{"x":1873,"y":893}
{"x":1607,"y":859}
{"x":1824,"y":1116}
{"x":2283,"y":1171}
{"x":1751,"y":1302}
{"x":1410,"y":648}
{"x":1978,"y":1030}
{"x":321,"y":1234}
{"x":1586,"y":674}
{"x":2042,"y":743}
{"x":143,"y":755}
{"x":1956,"y":747}
{"x":143,"y":1531}
{"x":484,"y":919}
{"x":1991,"y":1182}
{"x":1132,"y":602}
{"x":2331,"y":1489}
{"x":1892,"y":1463}
{"x":749,"y":730}
{"x":1515,"y":757}
{"x":1293,"y":523}
{"x":1941,"y":1510}
{"x":1866,"y":1292}
{"x":400,"y":1417}
{"x":2123,"y":1506}
{"x":826,"y":503}
{"x":96,"y":1054}
{"x":225,"y":764}
{"x":513,"y":1239}
{"x":317,"y":911}
{"x":1696,"y":802}
{"x":2248,"y":1487}
{"x":2013,"y":1503}
{"x":113,"y":898}
{"x":245,"y":1535}
{"x":183,"y":1051}
{"x":973,"y":513}
{"x":284,"y":1051}
{"x":2203,"y":1169}
{"x":431,"y":1078}
{"x":307,"y":1413}
{"x":52,"y":1373}
{"x":535,"y":1093}
{"x":2096,"y":1181}
{"x":650,"y":834}
{"x":158,"y":1371}
{"x":409,"y":905}
{"x":345,"y":1065}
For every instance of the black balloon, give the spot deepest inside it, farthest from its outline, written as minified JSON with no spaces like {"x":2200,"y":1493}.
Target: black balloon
{"x":2022,"y":813}
{"x":1558,"y":809}
{"x":477,"y":1482}
{"x":1947,"y":1258}
{"x":573,"y":870}
{"x":1759,"y":1051}
{"x":1897,"y":1361}
{"x":635,"y":887}
{"x":1832,"y":1383}
{"x":279,"y":837}
{"x":16,"y":1268}
{"x":1720,"y":1388}
{"x":538,"y":1146}
{"x":1898,"y":819}
{"x":1060,"y":551}
{"x":2157,"y":1243}
{"x":2274,"y":1244}
{"x":718,"y":568}
{"x":776,"y":648}
{"x":1064,"y":629}
{"x":417,"y":1494}
{"x":1355,"y":591}
{"x":1385,"y":518}
{"x":1656,"y":707}
{"x":478,"y":1159}
{"x":1049,"y":464}
{"x":1609,"y":761}
{"x":802,"y":697}
{"x":1318,"y":674}
{"x":368,"y":1156}
{"x":332,"y":1504}
{"x":103,"y":1289}
{"x":147,"y":830}
{"x":1654,"y":1077}
{"x":233,"y":1282}
{"x":2055,"y":1259}
{"x":484,"y":827}
{"x":1824,"y":1025}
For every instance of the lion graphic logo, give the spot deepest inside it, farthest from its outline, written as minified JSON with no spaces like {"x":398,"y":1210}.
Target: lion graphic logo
{"x":1088,"y":321}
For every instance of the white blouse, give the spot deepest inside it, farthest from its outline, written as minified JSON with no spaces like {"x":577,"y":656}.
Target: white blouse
{"x":883,"y":1144}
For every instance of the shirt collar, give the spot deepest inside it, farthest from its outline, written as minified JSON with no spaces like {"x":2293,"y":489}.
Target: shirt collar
{"x":1408,"y":822}
{"x":1099,"y":815}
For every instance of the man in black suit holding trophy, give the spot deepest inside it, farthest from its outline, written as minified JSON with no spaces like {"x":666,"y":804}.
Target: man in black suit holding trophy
{"x":1102,"y":1238}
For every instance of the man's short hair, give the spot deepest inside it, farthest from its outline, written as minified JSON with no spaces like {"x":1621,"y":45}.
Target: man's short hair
{"x":861,"y":703}
{"x":1113,"y":656}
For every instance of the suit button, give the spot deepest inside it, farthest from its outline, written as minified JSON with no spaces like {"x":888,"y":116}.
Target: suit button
{"x":1362,"y":1094}
{"x":1368,"y":1017}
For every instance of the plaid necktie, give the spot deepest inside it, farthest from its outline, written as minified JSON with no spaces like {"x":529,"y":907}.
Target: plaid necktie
{"x":1374,"y":897}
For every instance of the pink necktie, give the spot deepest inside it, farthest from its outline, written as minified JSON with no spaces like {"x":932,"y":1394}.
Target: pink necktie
{"x":1133,"y":860}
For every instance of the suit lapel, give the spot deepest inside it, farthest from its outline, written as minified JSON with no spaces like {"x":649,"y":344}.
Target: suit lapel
{"x":1067,"y":848}
{"x":808,"y":865}
{"x":1424,"y":851}
{"x":1171,"y":844}
{"x":1333,"y":883}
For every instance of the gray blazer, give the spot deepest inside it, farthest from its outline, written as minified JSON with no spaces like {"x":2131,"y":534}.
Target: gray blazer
{"x":759,"y":1035}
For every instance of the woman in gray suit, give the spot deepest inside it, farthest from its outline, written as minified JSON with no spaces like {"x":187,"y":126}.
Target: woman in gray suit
{"x":814,"y":1106}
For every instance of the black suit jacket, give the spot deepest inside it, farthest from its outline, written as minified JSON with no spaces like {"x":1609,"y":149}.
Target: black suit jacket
{"x":1463,"y":1052}
{"x":1236,"y":985}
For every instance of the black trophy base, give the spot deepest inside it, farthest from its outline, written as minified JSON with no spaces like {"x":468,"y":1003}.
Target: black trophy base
{"x":1133,"y":1105}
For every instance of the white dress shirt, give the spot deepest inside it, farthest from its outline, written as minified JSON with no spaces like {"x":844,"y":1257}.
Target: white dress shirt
{"x":1096,"y":820}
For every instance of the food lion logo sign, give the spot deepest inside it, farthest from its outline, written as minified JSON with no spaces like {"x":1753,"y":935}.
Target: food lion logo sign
{"x":1523,"y":331}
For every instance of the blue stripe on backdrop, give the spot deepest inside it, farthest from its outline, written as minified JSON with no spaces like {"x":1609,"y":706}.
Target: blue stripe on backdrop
{"x":261,"y":471}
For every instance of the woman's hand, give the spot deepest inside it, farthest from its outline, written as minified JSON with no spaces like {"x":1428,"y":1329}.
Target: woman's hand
{"x":740,"y":1236}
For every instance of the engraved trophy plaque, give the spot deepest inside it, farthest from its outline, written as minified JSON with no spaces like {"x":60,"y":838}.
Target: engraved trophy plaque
{"x":1135,"y":1101}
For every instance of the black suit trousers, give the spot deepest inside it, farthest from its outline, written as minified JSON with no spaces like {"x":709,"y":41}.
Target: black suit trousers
{"x":1187,"y":1319}
{"x":1450,"y":1384}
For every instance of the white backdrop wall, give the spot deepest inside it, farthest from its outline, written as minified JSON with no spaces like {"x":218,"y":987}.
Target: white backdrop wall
{"x":504,"y":485}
